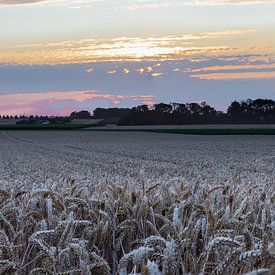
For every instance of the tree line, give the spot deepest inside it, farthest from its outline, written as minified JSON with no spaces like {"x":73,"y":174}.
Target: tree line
{"x":259,"y":111}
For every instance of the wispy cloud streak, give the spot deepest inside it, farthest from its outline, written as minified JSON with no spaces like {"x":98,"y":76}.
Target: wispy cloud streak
{"x":231,"y":67}
{"x":235,"y":75}
{"x":152,"y":48}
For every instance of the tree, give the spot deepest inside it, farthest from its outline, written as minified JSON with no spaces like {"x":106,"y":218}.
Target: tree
{"x":163,"y":108}
{"x":80,"y":115}
{"x":252,"y":111}
{"x":104,"y":113}
{"x":174,"y":113}
{"x":142,"y":109}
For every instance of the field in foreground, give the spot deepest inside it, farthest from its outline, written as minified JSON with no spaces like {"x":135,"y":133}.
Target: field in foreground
{"x":199,"y":129}
{"x":130,"y":202}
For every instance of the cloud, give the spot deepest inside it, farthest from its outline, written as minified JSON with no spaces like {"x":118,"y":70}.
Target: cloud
{"x":112,"y":72}
{"x":241,"y":71}
{"x":174,"y":86}
{"x":157,"y":4}
{"x":54,"y":3}
{"x":89,"y":70}
{"x":134,"y":4}
{"x":150,"y":48}
{"x":231,"y":2}
{"x":126,"y":70}
{"x":235,"y":75}
{"x":231,"y":67}
{"x":21,"y":2}
{"x":116,"y":102}
{"x":44,"y":102}
{"x":149,"y":103}
{"x":157,"y":74}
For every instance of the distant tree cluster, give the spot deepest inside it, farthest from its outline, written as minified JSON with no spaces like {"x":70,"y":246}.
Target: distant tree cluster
{"x":104,"y":113}
{"x":252,"y":111}
{"x":33,"y":120}
{"x":111,"y":115}
{"x":247,"y":111}
{"x":80,"y":115}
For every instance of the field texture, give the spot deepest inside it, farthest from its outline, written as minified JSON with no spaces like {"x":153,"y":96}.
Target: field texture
{"x":130,"y":202}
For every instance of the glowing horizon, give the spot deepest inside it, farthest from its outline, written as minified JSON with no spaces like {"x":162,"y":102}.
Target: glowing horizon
{"x":188,"y":50}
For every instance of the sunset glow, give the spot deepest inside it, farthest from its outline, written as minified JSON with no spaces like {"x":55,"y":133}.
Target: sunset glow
{"x":175,"y":50}
{"x":133,"y":49}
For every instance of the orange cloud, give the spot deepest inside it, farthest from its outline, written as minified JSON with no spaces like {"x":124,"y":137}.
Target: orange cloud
{"x":237,"y":75}
{"x":231,"y":67}
{"x":151,"y":48}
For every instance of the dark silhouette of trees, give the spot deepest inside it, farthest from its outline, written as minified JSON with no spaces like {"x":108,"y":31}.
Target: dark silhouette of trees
{"x":258,"y":111}
{"x":174,"y":113}
{"x":111,"y":115}
{"x":103,"y":113}
{"x":80,"y":115}
{"x":252,"y":111}
{"x":163,"y":108}
{"x":247,"y":111}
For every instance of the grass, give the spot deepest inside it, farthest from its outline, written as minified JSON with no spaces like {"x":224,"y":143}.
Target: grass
{"x":221,"y":131}
{"x":218,"y":131}
{"x":250,"y":131}
{"x":46,"y":127}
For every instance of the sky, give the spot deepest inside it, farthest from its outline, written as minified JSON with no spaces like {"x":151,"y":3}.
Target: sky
{"x":58,"y":56}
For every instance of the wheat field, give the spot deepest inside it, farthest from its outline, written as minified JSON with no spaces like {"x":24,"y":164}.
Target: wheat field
{"x":136,"y":203}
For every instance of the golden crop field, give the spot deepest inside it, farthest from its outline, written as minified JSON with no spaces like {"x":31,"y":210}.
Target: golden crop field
{"x":136,"y":203}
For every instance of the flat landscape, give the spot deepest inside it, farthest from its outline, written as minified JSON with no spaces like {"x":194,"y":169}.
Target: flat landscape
{"x":134,"y":202}
{"x":188,"y":127}
{"x":137,"y":137}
